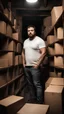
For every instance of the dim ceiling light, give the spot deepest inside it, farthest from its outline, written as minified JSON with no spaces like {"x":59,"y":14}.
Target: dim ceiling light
{"x":31,"y":1}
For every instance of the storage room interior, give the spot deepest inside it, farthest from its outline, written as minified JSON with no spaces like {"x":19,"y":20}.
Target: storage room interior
{"x":48,"y":18}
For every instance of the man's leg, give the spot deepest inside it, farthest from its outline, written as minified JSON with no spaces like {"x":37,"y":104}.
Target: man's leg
{"x":29,"y":80}
{"x":36,"y":80}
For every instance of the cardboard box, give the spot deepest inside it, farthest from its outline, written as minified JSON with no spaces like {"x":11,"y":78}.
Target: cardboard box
{"x":60,"y":33}
{"x":3,"y":78}
{"x":53,"y":97}
{"x":58,"y":48}
{"x":56,"y":13}
{"x":50,"y":39}
{"x":55,"y":74}
{"x":47,"y":21}
{"x":6,"y":12}
{"x":3,"y":63}
{"x":19,"y":33}
{"x":15,"y":36}
{"x":47,"y":30}
{"x":15,"y":22}
{"x":9,"y":31}
{"x":4,"y":43}
{"x":54,"y":81}
{"x":34,"y":109}
{"x":10,"y":57}
{"x":16,"y":60}
{"x":3,"y":27}
{"x":52,"y":74}
{"x":11,"y":17}
{"x":48,"y":82}
{"x":10,"y":74}
{"x":51,"y":50}
{"x":58,"y":61}
{"x":12,"y":103}
{"x":59,"y":74}
{"x":20,"y":59}
{"x":14,"y":27}
{"x":12,"y":46}
{"x":57,"y":81}
{"x":19,"y":47}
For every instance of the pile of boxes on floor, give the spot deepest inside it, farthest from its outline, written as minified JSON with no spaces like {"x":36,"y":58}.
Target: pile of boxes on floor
{"x":16,"y":105}
{"x":53,"y":100}
{"x":54,"y":92}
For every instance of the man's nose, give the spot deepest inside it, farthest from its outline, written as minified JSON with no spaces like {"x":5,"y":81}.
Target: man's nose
{"x":30,"y":32}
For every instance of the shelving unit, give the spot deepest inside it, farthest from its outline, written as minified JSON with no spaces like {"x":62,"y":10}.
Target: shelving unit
{"x":11,"y":69}
{"x":51,"y":28}
{"x":53,"y":51}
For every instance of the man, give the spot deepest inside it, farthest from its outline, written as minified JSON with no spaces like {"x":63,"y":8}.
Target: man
{"x":34,"y":50}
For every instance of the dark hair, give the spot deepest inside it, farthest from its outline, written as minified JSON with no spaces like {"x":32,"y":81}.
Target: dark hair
{"x":31,"y":26}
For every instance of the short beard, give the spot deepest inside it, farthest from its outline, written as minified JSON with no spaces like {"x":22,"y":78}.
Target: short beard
{"x":32,"y":37}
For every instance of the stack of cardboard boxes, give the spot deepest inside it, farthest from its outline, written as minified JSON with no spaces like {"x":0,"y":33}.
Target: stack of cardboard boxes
{"x":54,"y":95}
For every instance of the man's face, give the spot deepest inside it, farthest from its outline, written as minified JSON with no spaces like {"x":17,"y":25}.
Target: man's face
{"x":31,"y":32}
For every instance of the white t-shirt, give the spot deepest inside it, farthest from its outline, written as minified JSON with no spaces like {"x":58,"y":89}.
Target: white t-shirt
{"x":31,"y":47}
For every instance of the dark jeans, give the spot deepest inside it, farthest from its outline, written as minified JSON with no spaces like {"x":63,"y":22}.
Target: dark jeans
{"x":33,"y":78}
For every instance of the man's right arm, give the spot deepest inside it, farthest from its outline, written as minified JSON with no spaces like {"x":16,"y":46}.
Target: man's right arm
{"x":23,"y":57}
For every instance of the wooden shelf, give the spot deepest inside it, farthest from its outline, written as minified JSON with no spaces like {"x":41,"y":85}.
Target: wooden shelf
{"x":13,"y":30}
{"x":1,"y":68}
{"x":4,"y":18}
{"x":49,"y":32}
{"x":6,"y":51}
{"x":12,"y":72}
{"x":58,"y":68}
{"x":20,"y":75}
{"x":18,"y":65}
{"x":56,"y":55}
{"x":3,"y":86}
{"x":58,"y":23}
{"x":60,"y":41}
{"x":8,"y":83}
{"x":10,"y":38}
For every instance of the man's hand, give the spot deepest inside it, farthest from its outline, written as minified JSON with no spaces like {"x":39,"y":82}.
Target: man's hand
{"x":35,"y":65}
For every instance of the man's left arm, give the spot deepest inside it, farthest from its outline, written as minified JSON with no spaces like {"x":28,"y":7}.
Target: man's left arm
{"x":43,"y":53}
